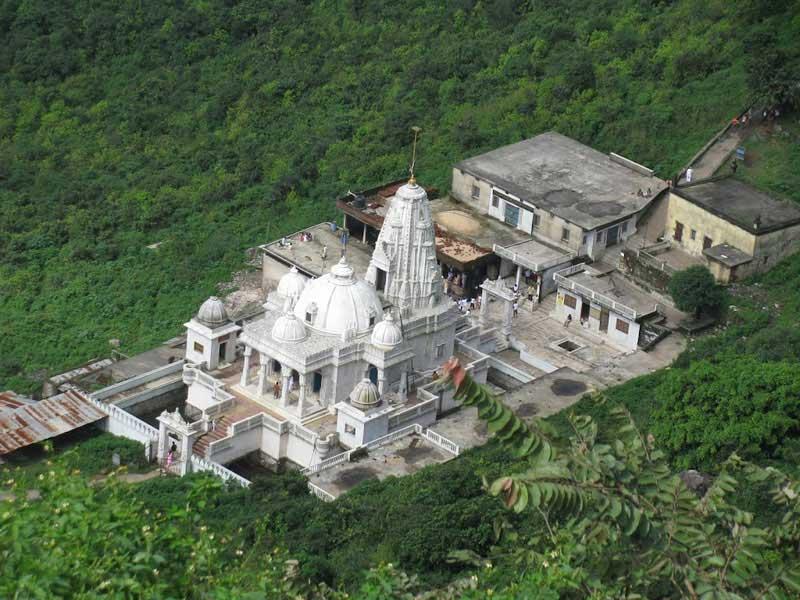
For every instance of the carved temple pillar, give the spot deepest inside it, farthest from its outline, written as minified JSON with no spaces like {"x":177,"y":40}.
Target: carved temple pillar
{"x":302,"y":394}
{"x":248,"y":351}
{"x":381,"y":383}
{"x":163,"y":434}
{"x":286,"y":374}
{"x":507,"y":318}
{"x":262,"y":377}
{"x":484,"y":316}
{"x":186,"y":454}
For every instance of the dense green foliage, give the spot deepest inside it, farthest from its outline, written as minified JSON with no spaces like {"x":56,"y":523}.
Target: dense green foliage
{"x":708,"y":411}
{"x":694,"y":290}
{"x":624,"y":493}
{"x":86,"y":451}
{"x":214,"y":126}
{"x":772,"y":160}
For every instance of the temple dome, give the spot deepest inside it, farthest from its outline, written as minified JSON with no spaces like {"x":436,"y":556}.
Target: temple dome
{"x":291,"y":285}
{"x":212,"y":313}
{"x":365,"y":395}
{"x":387,"y":334}
{"x":288,"y":328}
{"x":337,"y":302}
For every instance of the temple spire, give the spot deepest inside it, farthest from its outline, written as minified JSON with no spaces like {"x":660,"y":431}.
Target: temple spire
{"x":413,"y":180}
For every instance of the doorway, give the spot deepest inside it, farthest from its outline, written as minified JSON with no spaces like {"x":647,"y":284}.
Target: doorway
{"x":612,"y":236}
{"x":223,"y":347}
{"x":316,"y":382}
{"x":373,"y":374}
{"x":585,"y":307}
{"x":604,"y":319}
{"x":380,"y":280}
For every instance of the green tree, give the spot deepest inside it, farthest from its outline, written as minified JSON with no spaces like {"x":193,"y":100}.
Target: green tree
{"x":667,"y":542}
{"x":706,"y":412}
{"x":694,"y":290}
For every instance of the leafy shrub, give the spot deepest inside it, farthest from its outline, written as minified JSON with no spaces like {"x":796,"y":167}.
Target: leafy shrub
{"x":709,"y":410}
{"x":695,"y":290}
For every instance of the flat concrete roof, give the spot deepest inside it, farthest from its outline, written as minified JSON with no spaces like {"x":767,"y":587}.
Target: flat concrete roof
{"x":460,"y":221}
{"x":617,"y":288}
{"x":535,"y":252}
{"x":727,"y":255}
{"x":563,"y":176}
{"x":307,"y":255}
{"x":741,"y":204}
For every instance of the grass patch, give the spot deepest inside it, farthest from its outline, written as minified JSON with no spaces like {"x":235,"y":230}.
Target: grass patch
{"x":86,"y":449}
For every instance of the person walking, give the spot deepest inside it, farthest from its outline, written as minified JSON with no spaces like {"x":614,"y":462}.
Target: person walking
{"x":276,"y":389}
{"x":515,"y":307}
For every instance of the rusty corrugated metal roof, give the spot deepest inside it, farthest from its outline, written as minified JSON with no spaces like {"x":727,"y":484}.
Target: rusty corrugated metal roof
{"x":10,"y":401}
{"x":31,"y":423}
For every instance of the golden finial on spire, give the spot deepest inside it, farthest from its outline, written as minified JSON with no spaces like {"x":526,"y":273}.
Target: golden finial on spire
{"x":416,"y":130}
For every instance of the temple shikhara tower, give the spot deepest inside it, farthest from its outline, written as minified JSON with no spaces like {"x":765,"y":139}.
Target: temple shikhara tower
{"x":335,"y":361}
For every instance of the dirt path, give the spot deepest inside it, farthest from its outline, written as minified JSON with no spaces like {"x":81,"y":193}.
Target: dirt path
{"x":716,"y":156}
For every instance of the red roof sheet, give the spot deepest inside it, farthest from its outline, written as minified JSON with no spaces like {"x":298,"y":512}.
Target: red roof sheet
{"x":31,"y":423}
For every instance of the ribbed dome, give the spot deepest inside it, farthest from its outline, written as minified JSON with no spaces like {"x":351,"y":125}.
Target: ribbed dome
{"x":338,"y":302}
{"x":212,"y":312}
{"x":365,"y":395}
{"x":387,"y":334}
{"x":292,"y":284}
{"x":288,"y":328}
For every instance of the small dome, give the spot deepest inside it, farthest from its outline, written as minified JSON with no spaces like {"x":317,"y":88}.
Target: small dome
{"x":292,"y":284}
{"x":387,"y":334}
{"x":212,"y":312}
{"x":288,"y":328}
{"x":365,"y":395}
{"x":337,"y":302}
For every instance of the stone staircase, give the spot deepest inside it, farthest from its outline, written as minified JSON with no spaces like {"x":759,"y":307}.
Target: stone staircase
{"x":200,"y":447}
{"x":501,"y":343}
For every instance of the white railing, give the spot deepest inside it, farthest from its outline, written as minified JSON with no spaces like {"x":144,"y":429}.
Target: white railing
{"x":329,"y":462}
{"x":124,"y":417}
{"x":201,"y":464}
{"x":303,"y":433}
{"x":138,"y":380}
{"x":562,"y":279}
{"x":441,"y":441}
{"x":320,"y":493}
{"x":403,"y":416}
{"x":391,"y":437}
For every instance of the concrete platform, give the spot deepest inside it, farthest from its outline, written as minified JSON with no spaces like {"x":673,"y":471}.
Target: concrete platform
{"x":402,"y":457}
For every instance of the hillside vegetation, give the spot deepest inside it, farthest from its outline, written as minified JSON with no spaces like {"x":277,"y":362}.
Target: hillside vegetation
{"x":215,"y":126}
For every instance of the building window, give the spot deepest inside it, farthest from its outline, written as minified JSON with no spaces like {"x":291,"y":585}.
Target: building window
{"x":623,"y":326}
{"x":570,"y":301}
{"x":537,"y":219}
{"x":585,"y":239}
{"x":678,"y":236}
{"x":309,"y":317}
{"x":564,"y":234}
{"x":766,"y":258}
{"x":693,"y":234}
{"x":623,"y":227}
{"x":476,"y":192}
{"x":198,"y":347}
{"x":440,"y":350}
{"x":349,"y":429}
{"x":512,"y":215}
{"x":495,"y":201}
{"x":707,"y":242}
{"x":600,"y":237}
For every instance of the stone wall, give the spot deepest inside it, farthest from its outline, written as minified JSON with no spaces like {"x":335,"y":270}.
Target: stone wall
{"x":644,"y":272}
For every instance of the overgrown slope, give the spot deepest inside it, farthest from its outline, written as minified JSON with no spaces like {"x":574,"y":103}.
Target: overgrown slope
{"x":214,"y":126}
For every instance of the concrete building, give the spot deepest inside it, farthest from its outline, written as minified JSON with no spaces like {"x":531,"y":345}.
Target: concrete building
{"x":564,"y":194}
{"x":606,"y":305}
{"x":732,"y":227}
